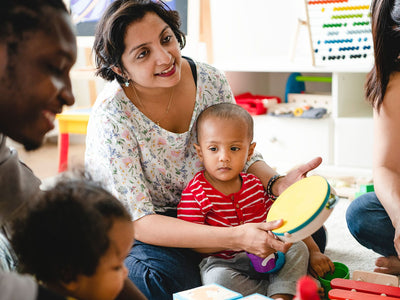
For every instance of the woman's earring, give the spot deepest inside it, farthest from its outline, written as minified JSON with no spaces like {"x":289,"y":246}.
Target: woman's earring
{"x":127,"y":83}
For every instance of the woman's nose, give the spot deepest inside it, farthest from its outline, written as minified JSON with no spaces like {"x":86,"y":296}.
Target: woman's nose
{"x":163,"y":55}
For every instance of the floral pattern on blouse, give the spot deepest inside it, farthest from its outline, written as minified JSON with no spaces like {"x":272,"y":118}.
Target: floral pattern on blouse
{"x":145,"y":166}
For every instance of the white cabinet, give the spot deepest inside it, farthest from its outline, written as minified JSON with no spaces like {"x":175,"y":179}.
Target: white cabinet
{"x":286,"y":142}
{"x":353,"y":140}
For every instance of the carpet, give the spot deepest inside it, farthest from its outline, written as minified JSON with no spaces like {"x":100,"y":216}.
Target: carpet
{"x":342,"y":247}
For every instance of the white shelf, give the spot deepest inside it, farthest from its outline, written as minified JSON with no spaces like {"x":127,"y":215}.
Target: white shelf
{"x":283,"y":64}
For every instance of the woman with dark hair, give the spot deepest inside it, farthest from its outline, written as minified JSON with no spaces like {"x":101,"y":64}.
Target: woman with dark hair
{"x":374,"y":218}
{"x":140,"y":143}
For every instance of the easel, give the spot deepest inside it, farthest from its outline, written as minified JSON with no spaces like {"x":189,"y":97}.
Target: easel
{"x":301,"y":23}
{"x":205,"y":35}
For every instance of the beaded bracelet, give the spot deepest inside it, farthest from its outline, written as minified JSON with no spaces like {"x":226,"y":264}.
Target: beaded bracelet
{"x":270,"y":184}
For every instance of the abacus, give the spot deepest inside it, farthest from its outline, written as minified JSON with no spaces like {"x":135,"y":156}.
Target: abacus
{"x":340,"y":31}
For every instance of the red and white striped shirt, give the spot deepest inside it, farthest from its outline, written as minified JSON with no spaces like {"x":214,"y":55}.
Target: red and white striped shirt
{"x":201,"y":203}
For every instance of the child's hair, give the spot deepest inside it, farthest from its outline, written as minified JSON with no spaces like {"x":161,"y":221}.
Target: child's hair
{"x":229,"y":111}
{"x":65,"y":233}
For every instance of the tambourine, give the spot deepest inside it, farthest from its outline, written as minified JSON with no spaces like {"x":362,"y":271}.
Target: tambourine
{"x":304,"y":207}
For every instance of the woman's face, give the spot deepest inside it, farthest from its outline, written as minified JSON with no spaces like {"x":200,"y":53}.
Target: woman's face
{"x":152,"y":57}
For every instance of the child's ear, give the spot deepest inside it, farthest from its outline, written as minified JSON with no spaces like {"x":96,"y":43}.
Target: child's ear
{"x":251,"y":150}
{"x":71,"y":286}
{"x":198,"y":150}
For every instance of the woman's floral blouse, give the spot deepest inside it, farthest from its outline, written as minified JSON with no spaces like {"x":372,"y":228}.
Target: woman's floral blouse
{"x":143,"y":165}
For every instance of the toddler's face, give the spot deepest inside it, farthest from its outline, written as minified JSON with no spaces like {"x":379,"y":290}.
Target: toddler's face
{"x":111,"y":272}
{"x":224,"y":147}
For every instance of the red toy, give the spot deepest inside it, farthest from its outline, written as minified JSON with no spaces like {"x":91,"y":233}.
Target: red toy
{"x":254,"y":103}
{"x":354,"y":290}
{"x":306,"y":289}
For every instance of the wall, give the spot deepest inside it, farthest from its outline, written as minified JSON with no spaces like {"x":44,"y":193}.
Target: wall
{"x":253,"y":29}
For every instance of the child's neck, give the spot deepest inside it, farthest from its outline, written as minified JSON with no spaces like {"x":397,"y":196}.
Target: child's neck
{"x":225,"y":187}
{"x":59,"y":289}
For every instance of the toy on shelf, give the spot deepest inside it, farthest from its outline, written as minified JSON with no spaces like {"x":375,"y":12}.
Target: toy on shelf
{"x":340,"y":31}
{"x":300,"y":104}
{"x":294,"y":86}
{"x":256,"y":104}
{"x":304,"y":207}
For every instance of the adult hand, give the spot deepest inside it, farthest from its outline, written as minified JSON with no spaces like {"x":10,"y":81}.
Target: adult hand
{"x":258,"y":239}
{"x":295,"y":175}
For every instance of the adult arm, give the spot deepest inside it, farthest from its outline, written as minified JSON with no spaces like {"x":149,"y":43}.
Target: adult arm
{"x":265,"y":172}
{"x":386,"y":151}
{"x":172,"y":232}
{"x":17,"y":184}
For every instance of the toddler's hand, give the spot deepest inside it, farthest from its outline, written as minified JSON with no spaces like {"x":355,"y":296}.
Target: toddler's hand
{"x":320,"y":264}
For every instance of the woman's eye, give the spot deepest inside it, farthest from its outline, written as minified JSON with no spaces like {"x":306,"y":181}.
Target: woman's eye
{"x":142,"y":54}
{"x":167,"y":39}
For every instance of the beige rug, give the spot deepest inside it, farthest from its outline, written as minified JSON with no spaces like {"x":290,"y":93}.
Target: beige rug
{"x":341,"y":245}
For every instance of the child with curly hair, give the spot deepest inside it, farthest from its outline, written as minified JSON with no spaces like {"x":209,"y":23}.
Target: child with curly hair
{"x":74,"y":240}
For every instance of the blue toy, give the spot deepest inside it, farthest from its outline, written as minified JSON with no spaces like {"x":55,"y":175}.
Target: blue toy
{"x":294,"y":86}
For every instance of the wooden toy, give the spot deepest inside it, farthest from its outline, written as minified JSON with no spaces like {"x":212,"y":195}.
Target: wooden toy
{"x":337,"y":294}
{"x":256,"y":296}
{"x":374,"y":277}
{"x":208,"y":292}
{"x":304,"y":207}
{"x":354,"y":289}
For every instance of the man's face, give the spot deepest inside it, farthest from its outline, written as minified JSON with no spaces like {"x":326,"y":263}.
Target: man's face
{"x":34,"y":80}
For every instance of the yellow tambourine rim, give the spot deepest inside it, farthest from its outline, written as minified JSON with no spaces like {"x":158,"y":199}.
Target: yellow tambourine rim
{"x":299,"y":204}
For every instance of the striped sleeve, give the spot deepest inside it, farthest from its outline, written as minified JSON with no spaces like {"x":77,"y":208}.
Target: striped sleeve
{"x":189,"y":209}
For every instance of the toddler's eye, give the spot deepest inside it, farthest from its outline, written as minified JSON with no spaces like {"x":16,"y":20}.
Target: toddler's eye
{"x":213,"y":148}
{"x":235,"y":148}
{"x":117,"y":268}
